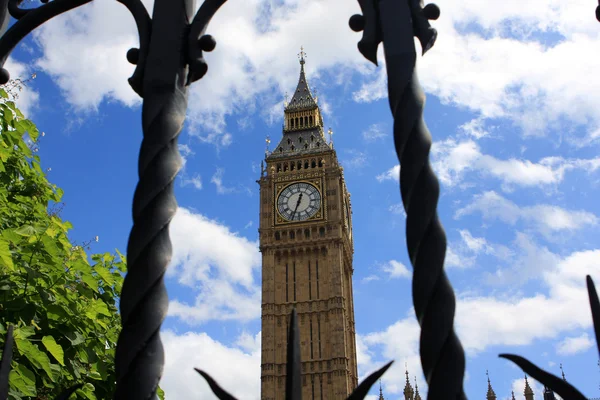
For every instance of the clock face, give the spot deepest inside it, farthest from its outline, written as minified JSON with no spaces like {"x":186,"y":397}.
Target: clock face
{"x":299,"y":201}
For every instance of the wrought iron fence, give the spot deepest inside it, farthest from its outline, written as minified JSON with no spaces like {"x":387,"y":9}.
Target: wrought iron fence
{"x":168,"y":60}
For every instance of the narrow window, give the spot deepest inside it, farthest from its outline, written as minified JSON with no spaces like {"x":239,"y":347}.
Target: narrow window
{"x":312,"y":138}
{"x":320,"y":161}
{"x":285,"y":167}
{"x":309,"y":283}
{"x":301,"y":121}
{"x":289,"y":141}
{"x":299,"y":165}
{"x":294,"y":272}
{"x":321,"y":385}
{"x":311,"y":339}
{"x":286,"y":282}
{"x":312,"y":383}
{"x":278,"y":167}
{"x":317,"y":271}
{"x":277,"y":236}
{"x":306,"y":162}
{"x":292,"y":235}
{"x":310,"y":120}
{"x":321,"y":231}
{"x":300,"y":139}
{"x":307,"y":233}
{"x":305,"y":120}
{"x":313,"y":164}
{"x":319,"y":333}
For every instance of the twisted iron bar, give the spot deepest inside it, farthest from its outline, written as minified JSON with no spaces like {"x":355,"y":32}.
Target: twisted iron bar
{"x":395,"y":23}
{"x":169,"y":58}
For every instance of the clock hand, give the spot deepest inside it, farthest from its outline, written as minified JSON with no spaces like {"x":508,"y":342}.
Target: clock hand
{"x":297,"y":204}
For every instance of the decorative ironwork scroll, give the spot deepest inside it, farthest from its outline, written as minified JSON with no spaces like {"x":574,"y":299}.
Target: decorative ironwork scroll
{"x":396,"y":23}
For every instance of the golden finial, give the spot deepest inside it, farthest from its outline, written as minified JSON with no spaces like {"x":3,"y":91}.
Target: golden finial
{"x":302,"y":55}
{"x":285,"y":102}
{"x":330,"y":132}
{"x":267,"y":141}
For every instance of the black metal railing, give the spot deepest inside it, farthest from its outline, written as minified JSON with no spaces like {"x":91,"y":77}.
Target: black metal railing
{"x":168,"y":60}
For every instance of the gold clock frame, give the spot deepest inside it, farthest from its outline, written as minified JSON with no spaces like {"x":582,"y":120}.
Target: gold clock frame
{"x":280,"y":186}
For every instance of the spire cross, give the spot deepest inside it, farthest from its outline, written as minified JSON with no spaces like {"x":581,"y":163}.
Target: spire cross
{"x":302,"y":55}
{"x":267,"y":141}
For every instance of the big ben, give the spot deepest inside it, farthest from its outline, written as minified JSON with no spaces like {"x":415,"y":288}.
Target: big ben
{"x":306,"y":244}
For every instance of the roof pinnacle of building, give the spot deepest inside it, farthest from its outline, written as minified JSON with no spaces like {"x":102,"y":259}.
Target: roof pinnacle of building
{"x":302,"y":98}
{"x":513,"y":395}
{"x":563,"y":373}
{"x":491,"y":395}
{"x":380,"y":391}
{"x":528,"y":390}
{"x":408,"y":390}
{"x":417,"y":395}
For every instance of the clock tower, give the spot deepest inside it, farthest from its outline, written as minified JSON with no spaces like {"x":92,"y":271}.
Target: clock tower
{"x":306,"y":244}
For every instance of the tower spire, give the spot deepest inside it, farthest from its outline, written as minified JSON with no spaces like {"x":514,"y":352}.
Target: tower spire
{"x":417,"y":395}
{"x":380,"y":391}
{"x":528,"y":392}
{"x":563,"y":373}
{"x":408,"y":390}
{"x":491,"y":395}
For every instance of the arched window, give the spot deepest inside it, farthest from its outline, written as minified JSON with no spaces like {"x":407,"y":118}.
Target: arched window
{"x":305,"y":120}
{"x":321,"y":231}
{"x":292,"y":165}
{"x":312,"y":138}
{"x":281,"y":149}
{"x":285,"y":167}
{"x":307,"y":233}
{"x":313,"y":164}
{"x":296,"y":122}
{"x":299,"y":165}
{"x":310,"y":120}
{"x":292,"y":235}
{"x":306,"y":162}
{"x":278,"y":167}
{"x":277,"y":236}
{"x":289,"y":141}
{"x":293,"y":148}
{"x":300,"y":139}
{"x":320,"y":163}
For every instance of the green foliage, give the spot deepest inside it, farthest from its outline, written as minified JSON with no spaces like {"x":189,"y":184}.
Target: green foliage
{"x":62,"y":305}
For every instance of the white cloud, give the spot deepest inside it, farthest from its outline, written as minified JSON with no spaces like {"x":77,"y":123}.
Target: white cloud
{"x":192,"y":350}
{"x":217,"y":179}
{"x":453,"y":159}
{"x":395,"y":269}
{"x":195,"y":181}
{"x":391,"y":174}
{"x":397,"y":209}
{"x":219,"y":264}
{"x":355,"y":159}
{"x":369,"y":278}
{"x":374,"y":132}
{"x":545,"y":218}
{"x":574,"y":345}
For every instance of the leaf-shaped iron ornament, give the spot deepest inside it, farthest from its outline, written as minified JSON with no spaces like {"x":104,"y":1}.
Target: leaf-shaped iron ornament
{"x":395,"y":23}
{"x":552,"y":382}
{"x":293,"y":387}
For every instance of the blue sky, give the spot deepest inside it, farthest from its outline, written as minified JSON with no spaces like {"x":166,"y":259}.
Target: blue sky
{"x":512,"y":105}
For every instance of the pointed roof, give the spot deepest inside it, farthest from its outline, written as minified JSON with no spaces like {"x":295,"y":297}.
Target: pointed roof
{"x":528,"y":392}
{"x":417,"y":395}
{"x":380,"y":391}
{"x":491,"y":395}
{"x":562,"y":372}
{"x":408,"y":390}
{"x":513,"y":395}
{"x":302,"y":140}
{"x":302,"y":97}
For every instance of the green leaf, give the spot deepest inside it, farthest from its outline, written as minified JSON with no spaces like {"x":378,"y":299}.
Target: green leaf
{"x":6,"y":255}
{"x":97,"y":307}
{"x":23,"y":332}
{"x":38,"y":358}
{"x":88,"y":391}
{"x":105,"y":274}
{"x":75,"y":338}
{"x":23,"y":379}
{"x":54,"y":348}
{"x":25,"y":230}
